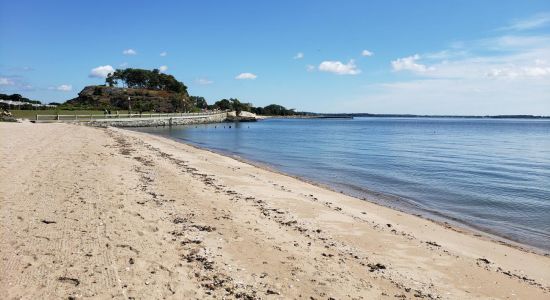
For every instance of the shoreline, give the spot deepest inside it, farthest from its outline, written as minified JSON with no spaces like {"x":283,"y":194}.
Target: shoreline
{"x":376,"y":198}
{"x":92,"y":212}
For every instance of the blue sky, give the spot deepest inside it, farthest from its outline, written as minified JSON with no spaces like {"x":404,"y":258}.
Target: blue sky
{"x":422,"y":57}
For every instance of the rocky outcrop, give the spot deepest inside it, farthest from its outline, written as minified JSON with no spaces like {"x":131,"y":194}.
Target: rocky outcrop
{"x":105,"y":97}
{"x":244,"y":116}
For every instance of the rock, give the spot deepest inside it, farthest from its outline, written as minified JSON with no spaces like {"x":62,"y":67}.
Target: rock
{"x":244,"y":116}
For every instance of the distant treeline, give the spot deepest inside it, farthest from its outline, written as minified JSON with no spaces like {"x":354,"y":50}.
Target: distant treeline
{"x":17,"y":97}
{"x":436,"y":116}
{"x":238,"y":106}
{"x":28,"y":104}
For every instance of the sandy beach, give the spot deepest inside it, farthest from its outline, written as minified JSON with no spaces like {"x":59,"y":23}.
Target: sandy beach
{"x":104,"y":212}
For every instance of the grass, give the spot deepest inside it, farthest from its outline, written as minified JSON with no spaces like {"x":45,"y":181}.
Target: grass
{"x":31,"y":114}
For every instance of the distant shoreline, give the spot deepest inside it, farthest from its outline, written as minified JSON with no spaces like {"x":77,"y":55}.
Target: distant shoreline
{"x":360,"y":115}
{"x":28,"y":114}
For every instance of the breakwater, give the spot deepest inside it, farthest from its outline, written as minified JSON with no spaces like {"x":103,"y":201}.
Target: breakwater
{"x":161,"y":121}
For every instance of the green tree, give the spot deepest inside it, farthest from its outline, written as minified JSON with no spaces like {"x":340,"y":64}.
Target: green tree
{"x":198,"y":102}
{"x":223,"y":104}
{"x":140,"y":78}
{"x":236,"y":105}
{"x":274,"y":110}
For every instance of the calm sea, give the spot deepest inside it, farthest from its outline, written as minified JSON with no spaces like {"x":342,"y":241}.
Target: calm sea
{"x":490,"y":174}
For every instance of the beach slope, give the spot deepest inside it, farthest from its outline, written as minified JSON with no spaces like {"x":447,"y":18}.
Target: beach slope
{"x":103,"y":212}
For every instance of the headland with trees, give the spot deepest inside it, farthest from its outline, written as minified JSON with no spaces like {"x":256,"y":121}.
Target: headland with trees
{"x":141,"y":90}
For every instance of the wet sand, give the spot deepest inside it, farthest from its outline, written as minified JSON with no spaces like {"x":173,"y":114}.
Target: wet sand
{"x":102,"y":213}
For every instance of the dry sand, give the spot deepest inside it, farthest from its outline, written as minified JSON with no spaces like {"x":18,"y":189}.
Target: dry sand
{"x":102,"y":213}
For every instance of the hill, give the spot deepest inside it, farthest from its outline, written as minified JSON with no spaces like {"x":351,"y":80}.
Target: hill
{"x":138,"y":99}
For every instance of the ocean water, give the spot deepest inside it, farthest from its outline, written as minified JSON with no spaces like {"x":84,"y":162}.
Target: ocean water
{"x":489,"y":174}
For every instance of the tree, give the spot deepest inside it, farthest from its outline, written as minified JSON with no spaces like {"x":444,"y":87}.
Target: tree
{"x":274,"y":110}
{"x":237,"y":106}
{"x":145,"y":79}
{"x":223,"y":104}
{"x":110,"y":80}
{"x":18,"y":97}
{"x":199,"y":102}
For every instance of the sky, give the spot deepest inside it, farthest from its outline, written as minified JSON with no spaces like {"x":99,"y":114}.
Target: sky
{"x":418,"y":57}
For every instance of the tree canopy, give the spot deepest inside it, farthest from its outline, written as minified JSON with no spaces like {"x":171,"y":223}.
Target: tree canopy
{"x":274,"y":110}
{"x":17,"y":97}
{"x":238,"y":106}
{"x":198,"y":102}
{"x":232,"y":104}
{"x":145,"y":79}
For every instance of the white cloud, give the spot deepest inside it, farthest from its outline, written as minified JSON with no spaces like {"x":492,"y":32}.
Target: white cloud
{"x":129,"y":52}
{"x":246,"y":76}
{"x":367,"y":53}
{"x":123,"y":65}
{"x":536,"y":21}
{"x":455,"y":97}
{"x":101,"y":71}
{"x":409,"y":63}
{"x":518,"y":72}
{"x":163,"y":69}
{"x":64,"y":88}
{"x":310,"y":68}
{"x":299,"y":55}
{"x":508,"y":43}
{"x":163,"y":53}
{"x":503,"y":74}
{"x":15,"y":83}
{"x":6,"y":81}
{"x":204,"y":81}
{"x":339,"y":68}
{"x":508,"y":58}
{"x":20,"y":69}
{"x":445,"y":54}
{"x":27,"y":87}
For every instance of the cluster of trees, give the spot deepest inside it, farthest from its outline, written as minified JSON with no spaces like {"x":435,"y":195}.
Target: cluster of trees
{"x":275,"y":110}
{"x":232,"y":104}
{"x":198,"y":102}
{"x":238,"y":106}
{"x":28,"y":104}
{"x":145,"y":79}
{"x":17,"y":97}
